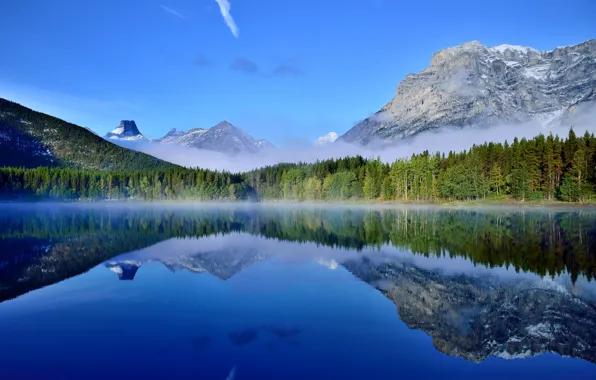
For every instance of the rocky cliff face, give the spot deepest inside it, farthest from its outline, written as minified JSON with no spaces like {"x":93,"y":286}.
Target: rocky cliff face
{"x":223,"y":137}
{"x":473,"y":85}
{"x":476,"y":317}
{"x":127,"y":130}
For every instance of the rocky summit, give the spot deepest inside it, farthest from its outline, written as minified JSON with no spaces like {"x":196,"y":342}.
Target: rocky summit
{"x":475,"y":85}
{"x":223,"y":137}
{"x":127,"y":130}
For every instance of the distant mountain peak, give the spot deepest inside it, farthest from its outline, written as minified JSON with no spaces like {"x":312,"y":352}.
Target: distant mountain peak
{"x":327,"y":139}
{"x":174,"y":132}
{"x":223,"y":125}
{"x":126,"y":130}
{"x":222,"y":137}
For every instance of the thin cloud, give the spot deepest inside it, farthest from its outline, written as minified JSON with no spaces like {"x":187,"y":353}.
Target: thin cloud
{"x":244,"y":65}
{"x":201,"y":61}
{"x":224,"y":8}
{"x":287,"y":70}
{"x":172,"y":12}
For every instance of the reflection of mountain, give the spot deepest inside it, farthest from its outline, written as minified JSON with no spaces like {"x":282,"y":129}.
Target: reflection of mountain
{"x":222,"y":263}
{"x":126,"y":270}
{"x":476,"y":317}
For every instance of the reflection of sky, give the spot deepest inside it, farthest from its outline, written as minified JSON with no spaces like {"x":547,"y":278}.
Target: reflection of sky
{"x":101,"y":327}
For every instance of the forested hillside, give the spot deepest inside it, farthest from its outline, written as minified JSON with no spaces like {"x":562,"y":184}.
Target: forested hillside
{"x":543,"y":168}
{"x":30,"y":139}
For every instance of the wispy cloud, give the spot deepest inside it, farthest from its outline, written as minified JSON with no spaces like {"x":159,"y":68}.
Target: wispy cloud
{"x":244,"y":65}
{"x":201,"y":60}
{"x":286,"y":70}
{"x":224,"y":8}
{"x":172,"y":12}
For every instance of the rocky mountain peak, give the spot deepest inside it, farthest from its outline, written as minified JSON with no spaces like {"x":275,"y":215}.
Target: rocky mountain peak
{"x":126,"y":130}
{"x":474,"y":85}
{"x":223,"y":125}
{"x":174,"y":132}
{"x":222,"y":137}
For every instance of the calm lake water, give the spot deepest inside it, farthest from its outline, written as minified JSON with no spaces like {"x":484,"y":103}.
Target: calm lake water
{"x":303,"y":292}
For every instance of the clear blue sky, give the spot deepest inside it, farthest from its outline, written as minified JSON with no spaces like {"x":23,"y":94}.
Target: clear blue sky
{"x":168,"y":63}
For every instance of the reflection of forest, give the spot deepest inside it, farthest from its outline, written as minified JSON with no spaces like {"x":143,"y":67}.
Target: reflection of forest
{"x":39,"y":248}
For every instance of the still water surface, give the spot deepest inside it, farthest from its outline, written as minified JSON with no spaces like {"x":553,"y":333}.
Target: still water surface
{"x":248,"y":292}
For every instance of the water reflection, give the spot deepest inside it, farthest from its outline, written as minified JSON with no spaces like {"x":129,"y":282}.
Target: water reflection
{"x":479,"y":283}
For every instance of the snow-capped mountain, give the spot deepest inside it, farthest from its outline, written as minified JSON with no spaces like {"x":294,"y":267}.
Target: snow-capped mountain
{"x":474,"y":85}
{"x":223,"y":137}
{"x":172,"y":135}
{"x":127,"y":130}
{"x":327,"y":139}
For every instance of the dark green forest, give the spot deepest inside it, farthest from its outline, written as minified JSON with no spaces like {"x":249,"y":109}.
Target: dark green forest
{"x":44,"y":246}
{"x":544,"y":168}
{"x":30,"y":139}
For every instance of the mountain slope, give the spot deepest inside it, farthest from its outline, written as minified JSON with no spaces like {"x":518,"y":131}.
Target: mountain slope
{"x":223,"y":137}
{"x":29,"y":139}
{"x":471,"y":84}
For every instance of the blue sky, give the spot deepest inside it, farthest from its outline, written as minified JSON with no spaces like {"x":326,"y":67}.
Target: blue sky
{"x":297,"y":68}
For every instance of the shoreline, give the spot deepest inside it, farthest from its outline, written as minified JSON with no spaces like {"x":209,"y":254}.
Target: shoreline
{"x":498,"y":204}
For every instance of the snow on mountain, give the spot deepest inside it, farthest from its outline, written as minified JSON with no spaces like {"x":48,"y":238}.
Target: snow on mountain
{"x":327,"y":139}
{"x":223,"y":137}
{"x":475,"y":85}
{"x":172,"y":135}
{"x":127,"y":130}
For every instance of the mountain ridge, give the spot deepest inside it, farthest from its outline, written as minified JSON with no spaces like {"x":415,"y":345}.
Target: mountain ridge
{"x":223,"y":137}
{"x":475,"y":85}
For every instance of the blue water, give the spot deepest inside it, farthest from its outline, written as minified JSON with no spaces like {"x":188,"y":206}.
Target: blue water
{"x":283,"y":317}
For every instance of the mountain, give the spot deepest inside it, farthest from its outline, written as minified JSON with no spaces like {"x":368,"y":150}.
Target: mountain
{"x":475,"y":317}
{"x":223,"y":137}
{"x":473,"y":85}
{"x":30,"y":139}
{"x":222,"y":263}
{"x":327,"y":139}
{"x":170,"y":136}
{"x":126,"y":270}
{"x":127,"y":130}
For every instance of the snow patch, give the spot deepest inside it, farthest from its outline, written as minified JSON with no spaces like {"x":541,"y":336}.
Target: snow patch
{"x":118,"y":131}
{"x":537,"y":72}
{"x":501,"y":49}
{"x":541,"y":330}
{"x":507,"y":356}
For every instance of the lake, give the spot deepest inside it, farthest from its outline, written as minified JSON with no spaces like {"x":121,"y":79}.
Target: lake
{"x":190,"y":291}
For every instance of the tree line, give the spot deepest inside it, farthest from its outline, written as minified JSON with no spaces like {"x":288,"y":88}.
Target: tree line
{"x":542,"y":168}
{"x":73,"y":184}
